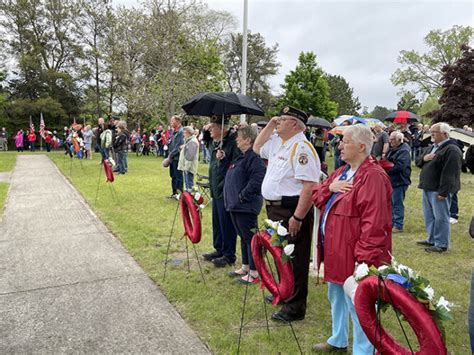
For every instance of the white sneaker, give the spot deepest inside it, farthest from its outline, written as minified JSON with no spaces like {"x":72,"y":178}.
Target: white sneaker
{"x":453,"y":220}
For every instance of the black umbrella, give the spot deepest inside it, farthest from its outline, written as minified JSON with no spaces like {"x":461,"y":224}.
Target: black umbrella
{"x":221,"y":103}
{"x":318,"y":122}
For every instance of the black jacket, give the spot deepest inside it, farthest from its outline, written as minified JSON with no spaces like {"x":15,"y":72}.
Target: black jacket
{"x":401,"y":171}
{"x":243,"y":184}
{"x":120,"y":142}
{"x":443,"y":173}
{"x":217,"y":168}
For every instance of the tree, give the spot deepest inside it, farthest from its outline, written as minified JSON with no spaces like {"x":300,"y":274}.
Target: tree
{"x":341,"y":93}
{"x":457,"y":106}
{"x":380,"y":112}
{"x":261,"y":65}
{"x":424,"y":71}
{"x":430,"y":104}
{"x":408,"y":102}
{"x":307,"y":89}
{"x":95,"y":23}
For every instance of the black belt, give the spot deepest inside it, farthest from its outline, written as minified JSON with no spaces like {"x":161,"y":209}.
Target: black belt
{"x":273,"y":203}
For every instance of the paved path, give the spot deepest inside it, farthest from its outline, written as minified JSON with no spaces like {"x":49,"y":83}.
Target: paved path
{"x":67,"y":284}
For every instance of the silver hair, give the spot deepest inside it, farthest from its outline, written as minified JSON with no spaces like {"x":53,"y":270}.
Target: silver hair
{"x":443,"y":127}
{"x":189,"y":130}
{"x":398,"y":136}
{"x":361,"y":134}
{"x":301,"y":125}
{"x":248,"y":132}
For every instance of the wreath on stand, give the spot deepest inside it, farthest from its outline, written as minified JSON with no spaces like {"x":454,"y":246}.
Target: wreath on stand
{"x":191,"y":204}
{"x":411,"y":296}
{"x":273,"y":240}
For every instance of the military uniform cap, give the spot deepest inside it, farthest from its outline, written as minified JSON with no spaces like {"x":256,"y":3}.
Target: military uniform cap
{"x":294,"y":112}
{"x":218,"y":119}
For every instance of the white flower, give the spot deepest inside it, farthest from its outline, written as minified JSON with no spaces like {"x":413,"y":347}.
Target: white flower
{"x":362,"y":271}
{"x":382,"y":268}
{"x":444,"y":303}
{"x":289,"y":249}
{"x":429,"y":291}
{"x":282,"y":231}
{"x":402,"y":267}
{"x":271,"y":224}
{"x":197,"y":196}
{"x":202,"y":206}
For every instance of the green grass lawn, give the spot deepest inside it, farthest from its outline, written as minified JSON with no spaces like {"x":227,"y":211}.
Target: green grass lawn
{"x":142,"y":217}
{"x":7,"y":161}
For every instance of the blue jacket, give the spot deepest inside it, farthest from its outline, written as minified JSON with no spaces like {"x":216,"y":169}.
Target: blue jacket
{"x":401,"y":171}
{"x":176,"y":140}
{"x":243,"y":184}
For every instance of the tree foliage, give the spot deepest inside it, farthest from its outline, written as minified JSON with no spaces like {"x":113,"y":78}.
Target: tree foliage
{"x":307,"y":88}
{"x":261,"y":65}
{"x":341,"y":93}
{"x":423,"y":72}
{"x":92,"y":59}
{"x":408,"y":102}
{"x":380,"y":112}
{"x":457,"y":106}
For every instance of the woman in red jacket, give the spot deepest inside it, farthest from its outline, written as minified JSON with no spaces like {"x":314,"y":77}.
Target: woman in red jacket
{"x":355,"y":228}
{"x":32,"y":140}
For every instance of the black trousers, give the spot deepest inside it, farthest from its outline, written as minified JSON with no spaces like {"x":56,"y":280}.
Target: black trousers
{"x":296,"y":305}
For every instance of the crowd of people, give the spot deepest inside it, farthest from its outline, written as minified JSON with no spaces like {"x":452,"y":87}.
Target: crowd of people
{"x":280,"y":166}
{"x":361,"y":202}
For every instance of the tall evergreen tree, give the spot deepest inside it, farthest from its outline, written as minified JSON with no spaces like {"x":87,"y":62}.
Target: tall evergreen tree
{"x":341,"y":93}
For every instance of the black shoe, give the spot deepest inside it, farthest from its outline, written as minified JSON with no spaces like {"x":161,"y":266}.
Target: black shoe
{"x":425,"y":243}
{"x":211,"y":256}
{"x":270,"y":298}
{"x":283,"y":317}
{"x":434,"y":249}
{"x":223,"y":261}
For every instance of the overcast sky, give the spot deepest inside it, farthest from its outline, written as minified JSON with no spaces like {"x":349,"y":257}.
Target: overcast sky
{"x":359,"y":40}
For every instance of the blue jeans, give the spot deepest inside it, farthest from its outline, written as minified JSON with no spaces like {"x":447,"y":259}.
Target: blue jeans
{"x":122,"y":161}
{"x":244,"y":223}
{"x":437,"y":219}
{"x":341,"y":307}
{"x":398,"y":209}
{"x":188,"y":179}
{"x":206,"y":156}
{"x":176,"y":177}
{"x":471,"y":313}
{"x":223,"y":231}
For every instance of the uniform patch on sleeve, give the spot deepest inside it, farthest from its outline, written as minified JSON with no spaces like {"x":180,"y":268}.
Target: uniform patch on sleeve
{"x":303,"y":158}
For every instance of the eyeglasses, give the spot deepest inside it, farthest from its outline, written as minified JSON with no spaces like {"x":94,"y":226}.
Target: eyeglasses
{"x":345,"y":143}
{"x":435,"y":131}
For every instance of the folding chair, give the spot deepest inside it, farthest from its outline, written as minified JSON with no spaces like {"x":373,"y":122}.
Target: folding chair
{"x":202,"y":183}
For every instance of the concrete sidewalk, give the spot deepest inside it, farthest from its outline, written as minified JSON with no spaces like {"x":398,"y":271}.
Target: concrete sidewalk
{"x":67,"y":284}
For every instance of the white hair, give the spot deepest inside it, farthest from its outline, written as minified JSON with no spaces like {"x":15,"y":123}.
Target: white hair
{"x":301,"y":125}
{"x":361,"y":134}
{"x":398,"y":136}
{"x":443,"y":127}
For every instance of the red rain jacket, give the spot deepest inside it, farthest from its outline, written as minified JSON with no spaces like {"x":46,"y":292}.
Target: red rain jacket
{"x":359,"y":223}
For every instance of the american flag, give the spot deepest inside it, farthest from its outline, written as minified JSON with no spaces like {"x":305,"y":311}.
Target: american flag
{"x":32,"y":126}
{"x":42,"y":130}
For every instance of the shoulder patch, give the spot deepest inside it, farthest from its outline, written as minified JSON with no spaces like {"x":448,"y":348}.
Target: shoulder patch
{"x":303,"y":158}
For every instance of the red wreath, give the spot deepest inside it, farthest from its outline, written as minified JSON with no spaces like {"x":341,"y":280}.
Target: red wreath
{"x":109,"y":174}
{"x":191,"y":217}
{"x":280,"y":291}
{"x":418,"y":316}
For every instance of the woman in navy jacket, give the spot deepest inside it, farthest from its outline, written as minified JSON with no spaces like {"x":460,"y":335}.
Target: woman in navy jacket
{"x":243,"y":198}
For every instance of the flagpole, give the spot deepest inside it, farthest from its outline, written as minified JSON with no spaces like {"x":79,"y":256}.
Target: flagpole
{"x":243,"y":80}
